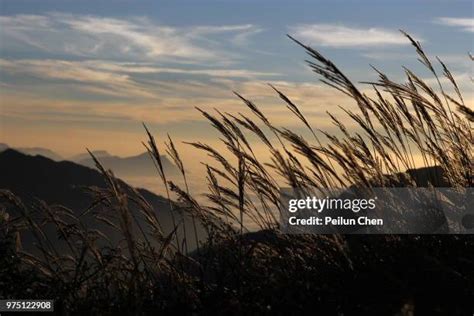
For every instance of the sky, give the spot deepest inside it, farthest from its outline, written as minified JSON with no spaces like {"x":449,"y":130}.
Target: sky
{"x":77,"y":74}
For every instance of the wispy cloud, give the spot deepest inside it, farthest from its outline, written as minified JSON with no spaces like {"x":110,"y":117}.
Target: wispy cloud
{"x":466,"y":24}
{"x":131,"y":38}
{"x":113,"y":78}
{"x":144,"y":68}
{"x":222,"y":29}
{"x":336,"y":35}
{"x":385,"y":55}
{"x":175,"y":104}
{"x":97,"y":81}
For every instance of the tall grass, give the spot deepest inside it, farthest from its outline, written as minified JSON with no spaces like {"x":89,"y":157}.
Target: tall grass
{"x":236,"y":268}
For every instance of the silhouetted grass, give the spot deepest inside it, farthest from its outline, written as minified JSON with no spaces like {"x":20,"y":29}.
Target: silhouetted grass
{"x":246,"y":265}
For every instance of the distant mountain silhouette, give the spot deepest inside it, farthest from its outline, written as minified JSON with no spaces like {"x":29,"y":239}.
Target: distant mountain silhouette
{"x":140,"y":165}
{"x":85,"y":156}
{"x":33,"y":151}
{"x":123,"y":167}
{"x":423,"y":177}
{"x":64,"y":183}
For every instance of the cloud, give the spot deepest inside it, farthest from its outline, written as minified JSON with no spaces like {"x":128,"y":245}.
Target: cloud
{"x":466,"y":24}
{"x":144,"y":68}
{"x":120,"y":80}
{"x":463,"y":80}
{"x":384,"y":55}
{"x":204,"y":30}
{"x":174,"y":105}
{"x":340,"y":36}
{"x":109,"y":83}
{"x":121,"y":39}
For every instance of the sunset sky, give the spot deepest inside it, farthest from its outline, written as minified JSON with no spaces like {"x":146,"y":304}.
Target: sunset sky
{"x":76,"y":74}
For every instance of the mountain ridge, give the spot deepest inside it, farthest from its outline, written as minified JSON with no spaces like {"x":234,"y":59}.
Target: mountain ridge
{"x":123,"y":167}
{"x":64,"y":183}
{"x":136,"y":165}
